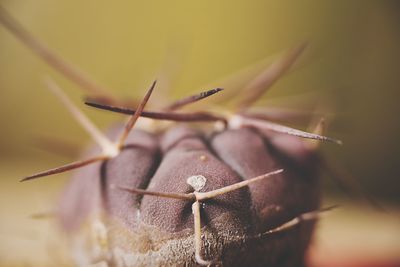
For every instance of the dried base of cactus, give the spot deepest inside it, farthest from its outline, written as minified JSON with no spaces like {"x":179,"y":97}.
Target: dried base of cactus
{"x":148,"y":246}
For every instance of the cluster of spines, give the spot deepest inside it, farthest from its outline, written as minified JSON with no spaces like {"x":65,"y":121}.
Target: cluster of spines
{"x":104,"y":100}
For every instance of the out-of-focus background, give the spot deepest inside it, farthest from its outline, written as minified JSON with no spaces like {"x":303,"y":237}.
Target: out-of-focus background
{"x":351,"y":68}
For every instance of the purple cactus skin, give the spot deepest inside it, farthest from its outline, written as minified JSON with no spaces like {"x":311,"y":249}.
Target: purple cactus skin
{"x":154,"y":231}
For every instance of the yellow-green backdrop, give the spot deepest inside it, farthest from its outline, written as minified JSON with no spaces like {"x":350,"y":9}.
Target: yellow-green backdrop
{"x":353,"y":60}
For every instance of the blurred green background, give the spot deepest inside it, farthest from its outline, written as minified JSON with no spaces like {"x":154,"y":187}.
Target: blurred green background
{"x":353,"y":61}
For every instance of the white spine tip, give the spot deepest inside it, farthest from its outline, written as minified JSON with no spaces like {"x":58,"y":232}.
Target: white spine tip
{"x":276,"y":172}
